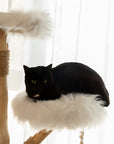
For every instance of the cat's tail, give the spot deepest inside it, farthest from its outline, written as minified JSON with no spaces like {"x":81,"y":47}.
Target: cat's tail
{"x":104,"y":96}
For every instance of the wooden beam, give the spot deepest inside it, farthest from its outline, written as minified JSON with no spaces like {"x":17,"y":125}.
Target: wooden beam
{"x":81,"y":137}
{"x":4,"y":136}
{"x":38,"y":138}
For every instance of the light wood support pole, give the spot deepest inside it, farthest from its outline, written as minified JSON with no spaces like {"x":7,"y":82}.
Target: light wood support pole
{"x":38,"y":138}
{"x":4,"y":136}
{"x":82,"y":137}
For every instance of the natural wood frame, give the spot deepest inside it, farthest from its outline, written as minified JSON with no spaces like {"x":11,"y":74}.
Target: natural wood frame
{"x":4,"y":136}
{"x":38,"y":137}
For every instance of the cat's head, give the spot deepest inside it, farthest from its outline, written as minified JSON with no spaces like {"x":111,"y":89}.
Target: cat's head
{"x":37,"y":79}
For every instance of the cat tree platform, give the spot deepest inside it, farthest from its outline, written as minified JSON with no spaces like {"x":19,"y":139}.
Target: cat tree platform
{"x":72,"y":111}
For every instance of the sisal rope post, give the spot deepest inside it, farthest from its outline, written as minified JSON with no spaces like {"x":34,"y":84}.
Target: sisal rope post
{"x":39,"y":137}
{"x":4,"y":57}
{"x":81,"y":137}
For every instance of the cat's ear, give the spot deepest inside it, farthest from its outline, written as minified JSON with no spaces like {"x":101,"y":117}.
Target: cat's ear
{"x":49,"y":67}
{"x":26,"y":69}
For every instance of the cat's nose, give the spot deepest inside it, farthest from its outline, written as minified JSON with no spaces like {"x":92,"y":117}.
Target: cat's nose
{"x":37,"y":95}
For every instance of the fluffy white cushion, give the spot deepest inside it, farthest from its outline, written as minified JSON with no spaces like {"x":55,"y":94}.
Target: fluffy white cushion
{"x":27,"y":23}
{"x":71,"y":111}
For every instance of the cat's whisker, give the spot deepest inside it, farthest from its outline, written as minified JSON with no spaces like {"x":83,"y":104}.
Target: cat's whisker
{"x":35,"y":96}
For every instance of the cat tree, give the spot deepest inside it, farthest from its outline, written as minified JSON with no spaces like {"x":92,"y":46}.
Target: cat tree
{"x":71,"y":112}
{"x":28,"y":24}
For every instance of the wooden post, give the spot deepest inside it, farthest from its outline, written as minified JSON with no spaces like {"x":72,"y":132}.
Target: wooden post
{"x":81,"y":137}
{"x":4,"y":56}
{"x":38,"y":138}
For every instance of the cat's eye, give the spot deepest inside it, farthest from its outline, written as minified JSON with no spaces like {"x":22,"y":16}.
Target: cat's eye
{"x":33,"y":81}
{"x":45,"y":81}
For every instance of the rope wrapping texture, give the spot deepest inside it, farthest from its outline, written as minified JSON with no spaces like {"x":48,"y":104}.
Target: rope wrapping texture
{"x":4,"y":63}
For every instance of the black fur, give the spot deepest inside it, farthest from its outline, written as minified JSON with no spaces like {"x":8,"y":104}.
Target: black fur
{"x":63,"y":79}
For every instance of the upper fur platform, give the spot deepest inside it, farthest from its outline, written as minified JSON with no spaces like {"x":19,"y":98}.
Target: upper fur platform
{"x":72,"y":111}
{"x":27,"y":23}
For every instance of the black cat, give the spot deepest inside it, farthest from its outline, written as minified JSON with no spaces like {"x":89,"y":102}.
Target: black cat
{"x":47,"y":83}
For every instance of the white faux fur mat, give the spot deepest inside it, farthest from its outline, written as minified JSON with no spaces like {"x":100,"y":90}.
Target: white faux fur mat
{"x":27,"y":23}
{"x":71,"y":111}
